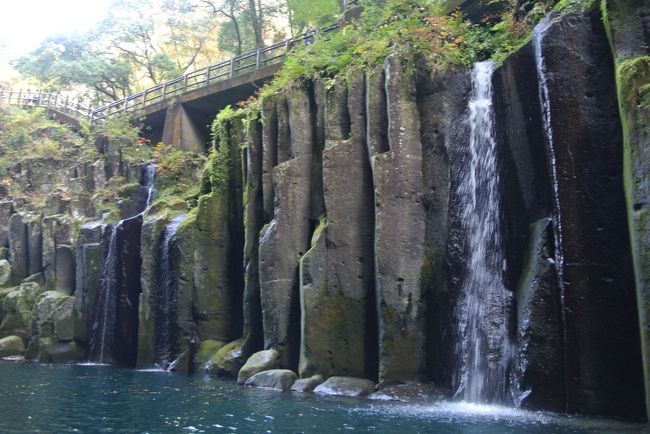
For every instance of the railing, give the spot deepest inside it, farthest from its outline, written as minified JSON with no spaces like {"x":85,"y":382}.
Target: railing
{"x":237,"y":66}
{"x":74,"y":107}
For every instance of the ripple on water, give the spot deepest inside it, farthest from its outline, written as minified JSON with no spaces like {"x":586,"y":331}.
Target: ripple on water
{"x":73,"y":398}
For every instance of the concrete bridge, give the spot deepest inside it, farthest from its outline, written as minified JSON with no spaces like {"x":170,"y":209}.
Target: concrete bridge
{"x":180,"y":110}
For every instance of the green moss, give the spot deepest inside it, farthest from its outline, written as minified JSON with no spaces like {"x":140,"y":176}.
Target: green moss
{"x":633,"y":76}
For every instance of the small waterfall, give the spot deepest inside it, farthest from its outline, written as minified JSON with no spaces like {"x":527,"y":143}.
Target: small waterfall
{"x":483,"y":347}
{"x":102,"y":339}
{"x":166,"y":332}
{"x":542,"y":80}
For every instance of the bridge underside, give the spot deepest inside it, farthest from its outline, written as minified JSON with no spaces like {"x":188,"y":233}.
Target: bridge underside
{"x":185,"y":121}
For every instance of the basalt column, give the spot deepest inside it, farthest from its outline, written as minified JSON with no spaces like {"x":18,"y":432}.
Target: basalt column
{"x":286,"y":238}
{"x":399,"y":230}
{"x":584,"y":143}
{"x":629,"y":24}
{"x":337,"y":274}
{"x":254,"y":215}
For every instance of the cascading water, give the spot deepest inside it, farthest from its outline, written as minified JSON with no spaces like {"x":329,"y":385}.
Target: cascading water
{"x":544,"y":99}
{"x":483,"y":347}
{"x":103,"y":331}
{"x":165,"y":351}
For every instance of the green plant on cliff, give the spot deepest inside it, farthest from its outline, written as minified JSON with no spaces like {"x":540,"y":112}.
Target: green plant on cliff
{"x":177,"y":176}
{"x":409,"y":27}
{"x":31,"y":135}
{"x":216,"y":172}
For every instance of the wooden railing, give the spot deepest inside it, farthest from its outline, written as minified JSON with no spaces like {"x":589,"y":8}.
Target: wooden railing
{"x":237,"y":66}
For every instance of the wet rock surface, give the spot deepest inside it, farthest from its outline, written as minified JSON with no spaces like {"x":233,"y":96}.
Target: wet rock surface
{"x":345,"y":386}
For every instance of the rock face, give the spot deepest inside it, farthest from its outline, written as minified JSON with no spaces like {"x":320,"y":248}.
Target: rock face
{"x":629,"y":31}
{"x":286,"y":238}
{"x":400,"y":223}
{"x":275,"y":379}
{"x":539,"y":374}
{"x":345,"y":386}
{"x":336,"y":284}
{"x":584,"y":141}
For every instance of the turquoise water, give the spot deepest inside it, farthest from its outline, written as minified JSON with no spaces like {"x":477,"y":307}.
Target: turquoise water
{"x":95,"y":399}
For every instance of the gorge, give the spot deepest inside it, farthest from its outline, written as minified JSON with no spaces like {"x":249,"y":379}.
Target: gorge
{"x":475,"y":233}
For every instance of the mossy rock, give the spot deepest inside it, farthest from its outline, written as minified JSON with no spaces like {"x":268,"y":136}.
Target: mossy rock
{"x":17,"y":310}
{"x":207,"y":350}
{"x":227,"y":361}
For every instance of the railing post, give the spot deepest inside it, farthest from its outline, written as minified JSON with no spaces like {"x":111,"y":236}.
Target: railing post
{"x":258,"y":58}
{"x":164,"y":90}
{"x":232,"y":67}
{"x":207,"y":76}
{"x":144,"y":98}
{"x":287,"y":45}
{"x":20,"y":91}
{"x":185,"y":83}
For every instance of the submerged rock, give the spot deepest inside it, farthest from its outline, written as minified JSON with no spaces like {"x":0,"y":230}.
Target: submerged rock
{"x":258,"y":362}
{"x":11,"y":346}
{"x":345,"y":386}
{"x":307,"y":384}
{"x":275,"y":379}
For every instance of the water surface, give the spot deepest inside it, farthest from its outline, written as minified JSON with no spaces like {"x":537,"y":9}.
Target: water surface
{"x":96,"y":399}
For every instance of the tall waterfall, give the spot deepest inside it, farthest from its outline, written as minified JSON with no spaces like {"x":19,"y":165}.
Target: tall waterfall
{"x":102,"y":336}
{"x":165,"y":351}
{"x":483,"y":347}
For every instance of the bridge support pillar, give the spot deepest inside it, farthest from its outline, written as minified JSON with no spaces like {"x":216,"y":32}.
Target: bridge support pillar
{"x":181,"y":131}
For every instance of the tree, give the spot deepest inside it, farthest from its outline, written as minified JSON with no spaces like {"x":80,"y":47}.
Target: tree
{"x":311,"y":13}
{"x":229,"y":9}
{"x":65,"y":61}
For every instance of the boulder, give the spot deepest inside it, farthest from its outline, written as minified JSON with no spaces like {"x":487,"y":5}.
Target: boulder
{"x":258,"y":362}
{"x":52,"y":322}
{"x":307,"y":384}
{"x":227,"y":361}
{"x":345,"y":386}
{"x":11,"y":346}
{"x":275,"y":379}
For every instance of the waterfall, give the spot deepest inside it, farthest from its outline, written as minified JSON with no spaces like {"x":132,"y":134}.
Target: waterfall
{"x":542,"y":80}
{"x":102,"y":334}
{"x":483,"y":347}
{"x":166,"y":331}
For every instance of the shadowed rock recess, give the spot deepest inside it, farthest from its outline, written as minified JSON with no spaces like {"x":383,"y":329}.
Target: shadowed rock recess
{"x":328,"y":242}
